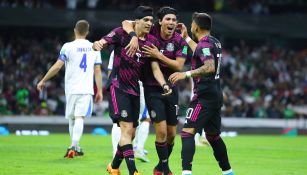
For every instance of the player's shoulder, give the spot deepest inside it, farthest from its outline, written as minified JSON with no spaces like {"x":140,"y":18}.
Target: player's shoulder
{"x":207,"y":41}
{"x":151,"y":37}
{"x":67,"y":45}
{"x":177,"y":38}
{"x":88,"y":42}
{"x":213,"y":39}
{"x":119,"y":30}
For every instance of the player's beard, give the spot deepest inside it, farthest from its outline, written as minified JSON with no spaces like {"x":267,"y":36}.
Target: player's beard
{"x":194,"y":38}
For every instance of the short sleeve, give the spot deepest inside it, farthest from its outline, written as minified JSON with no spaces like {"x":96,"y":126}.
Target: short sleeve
{"x":64,"y":53}
{"x":205,"y":53}
{"x":98,"y":58}
{"x":113,"y":36}
{"x":182,"y":50}
{"x":111,"y":60}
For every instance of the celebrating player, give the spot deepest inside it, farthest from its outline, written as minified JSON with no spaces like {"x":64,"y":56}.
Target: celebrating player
{"x":124,"y":86}
{"x":171,"y":56}
{"x":142,"y":130}
{"x":205,"y":108}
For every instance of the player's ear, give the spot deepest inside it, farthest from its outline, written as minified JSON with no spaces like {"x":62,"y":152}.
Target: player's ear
{"x":160,"y":21}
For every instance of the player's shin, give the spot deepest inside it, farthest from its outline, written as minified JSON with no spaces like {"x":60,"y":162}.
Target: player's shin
{"x":188,"y":150}
{"x":219,"y":151}
{"x":129,"y":157}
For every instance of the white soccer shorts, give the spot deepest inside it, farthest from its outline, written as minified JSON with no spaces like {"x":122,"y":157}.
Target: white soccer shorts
{"x":143,"y":109}
{"x":78,"y":105}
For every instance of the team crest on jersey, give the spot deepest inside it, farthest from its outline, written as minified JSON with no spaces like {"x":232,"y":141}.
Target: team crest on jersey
{"x":170,"y":47}
{"x":153,"y":114}
{"x":124,"y":113}
{"x":111,"y":34}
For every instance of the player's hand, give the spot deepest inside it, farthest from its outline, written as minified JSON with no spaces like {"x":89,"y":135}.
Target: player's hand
{"x":176,"y":77}
{"x":183,"y":30}
{"x":166,"y":90}
{"x":98,"y":45}
{"x":40,"y":86}
{"x":98,"y":97}
{"x":132,"y":47}
{"x":151,"y":51}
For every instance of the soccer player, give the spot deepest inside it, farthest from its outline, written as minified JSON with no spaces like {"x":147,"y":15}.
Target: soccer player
{"x":124,"y":86}
{"x":142,"y":130}
{"x":171,"y":55}
{"x":200,"y":139}
{"x":205,"y":108}
{"x":81,"y":63}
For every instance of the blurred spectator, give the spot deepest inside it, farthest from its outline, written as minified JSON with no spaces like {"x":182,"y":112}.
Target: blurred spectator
{"x":71,"y":4}
{"x":92,"y":4}
{"x":256,"y":7}
{"x":260,"y":81}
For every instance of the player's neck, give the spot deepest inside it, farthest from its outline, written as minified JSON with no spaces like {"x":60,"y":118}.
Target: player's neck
{"x":164,"y":36}
{"x":139,"y":33}
{"x":202,"y":35}
{"x":79,"y":37}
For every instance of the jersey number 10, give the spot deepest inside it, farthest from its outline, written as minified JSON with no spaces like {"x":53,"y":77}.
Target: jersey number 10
{"x":82,"y":64}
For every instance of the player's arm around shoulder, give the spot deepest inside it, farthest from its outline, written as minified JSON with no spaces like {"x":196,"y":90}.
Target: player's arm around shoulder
{"x":133,"y":45}
{"x":99,"y":45}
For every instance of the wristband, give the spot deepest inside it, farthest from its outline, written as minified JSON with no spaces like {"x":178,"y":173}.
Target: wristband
{"x":188,"y":74}
{"x":132,"y":34}
{"x":188,"y":39}
{"x":164,"y":85}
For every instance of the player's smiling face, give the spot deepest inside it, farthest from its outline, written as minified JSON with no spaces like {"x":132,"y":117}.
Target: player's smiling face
{"x":168,"y":24}
{"x":146,"y":23}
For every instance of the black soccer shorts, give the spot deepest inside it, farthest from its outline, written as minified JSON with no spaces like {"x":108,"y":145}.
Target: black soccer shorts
{"x":160,"y":107}
{"x":123,"y":106}
{"x":203,"y":115}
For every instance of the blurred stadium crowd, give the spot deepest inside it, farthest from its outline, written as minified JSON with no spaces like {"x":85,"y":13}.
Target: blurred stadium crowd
{"x":256,"y":7}
{"x":260,"y":81}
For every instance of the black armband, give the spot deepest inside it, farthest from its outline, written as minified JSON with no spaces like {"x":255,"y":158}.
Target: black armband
{"x":132,"y":34}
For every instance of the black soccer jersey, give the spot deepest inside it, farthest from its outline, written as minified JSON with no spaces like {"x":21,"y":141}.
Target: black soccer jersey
{"x":207,"y":86}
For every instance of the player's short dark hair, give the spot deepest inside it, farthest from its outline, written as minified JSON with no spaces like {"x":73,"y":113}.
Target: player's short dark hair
{"x":142,"y":11}
{"x":82,"y":27}
{"x":203,"y":20}
{"x":164,"y":11}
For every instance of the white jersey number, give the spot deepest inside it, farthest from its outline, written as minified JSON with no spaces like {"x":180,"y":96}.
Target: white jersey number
{"x":217,"y":75}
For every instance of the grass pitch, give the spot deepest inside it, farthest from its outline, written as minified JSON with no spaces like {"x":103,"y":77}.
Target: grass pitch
{"x":249,"y":155}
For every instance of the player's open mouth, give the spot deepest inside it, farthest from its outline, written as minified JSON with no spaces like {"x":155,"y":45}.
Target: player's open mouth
{"x":170,"y":28}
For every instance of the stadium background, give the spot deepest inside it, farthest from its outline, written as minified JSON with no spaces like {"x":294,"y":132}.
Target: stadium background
{"x":263,"y":72}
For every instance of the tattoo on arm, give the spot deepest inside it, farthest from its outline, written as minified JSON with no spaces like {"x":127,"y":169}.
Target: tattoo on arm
{"x":207,"y":68}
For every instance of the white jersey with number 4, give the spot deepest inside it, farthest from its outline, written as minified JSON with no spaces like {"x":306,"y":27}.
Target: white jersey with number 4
{"x":80,"y":59}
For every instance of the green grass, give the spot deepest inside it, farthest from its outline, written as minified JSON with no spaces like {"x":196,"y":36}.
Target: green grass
{"x":249,"y":155}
